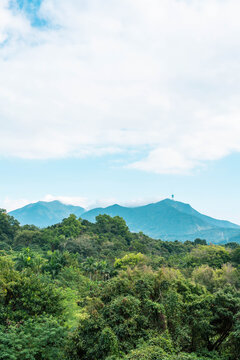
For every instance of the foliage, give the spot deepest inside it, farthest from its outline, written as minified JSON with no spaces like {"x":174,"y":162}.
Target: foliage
{"x":8,"y":227}
{"x":30,"y":296}
{"x":214,"y":256}
{"x":130,"y":260}
{"x":92,"y":291}
{"x":40,"y":338}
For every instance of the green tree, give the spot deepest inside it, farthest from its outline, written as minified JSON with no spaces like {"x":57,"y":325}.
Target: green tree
{"x":225,"y":307}
{"x":30,"y":296}
{"x":40,"y":338}
{"x":8,"y":227}
{"x":214,"y":256}
{"x":130,"y":260}
{"x":55,"y":262}
{"x":24,"y":259}
{"x":236,"y":255}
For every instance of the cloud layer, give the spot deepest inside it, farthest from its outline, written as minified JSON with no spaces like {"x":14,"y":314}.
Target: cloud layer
{"x":111,"y":77}
{"x":12,"y":204}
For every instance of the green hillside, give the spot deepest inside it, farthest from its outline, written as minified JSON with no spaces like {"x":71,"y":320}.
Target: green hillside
{"x":79,"y":290}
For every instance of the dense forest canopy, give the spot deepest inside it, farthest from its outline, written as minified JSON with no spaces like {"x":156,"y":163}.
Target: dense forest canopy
{"x":92,"y":291}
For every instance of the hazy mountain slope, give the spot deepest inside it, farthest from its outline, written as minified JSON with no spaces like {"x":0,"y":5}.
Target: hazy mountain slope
{"x":43,"y":213}
{"x":166,"y":219}
{"x":186,"y":208}
{"x":170,"y":220}
{"x":152,"y":218}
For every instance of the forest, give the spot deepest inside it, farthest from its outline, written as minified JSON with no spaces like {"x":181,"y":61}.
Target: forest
{"x":92,"y":291}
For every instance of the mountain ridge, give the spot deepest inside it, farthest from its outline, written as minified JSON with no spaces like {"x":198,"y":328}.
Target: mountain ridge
{"x":170,"y":220}
{"x":166,"y":219}
{"x":44,"y":213}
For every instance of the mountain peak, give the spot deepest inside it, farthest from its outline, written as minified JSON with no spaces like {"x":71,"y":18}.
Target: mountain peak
{"x":167,"y":219}
{"x":170,"y":220}
{"x":172,"y":201}
{"x":41,"y":202}
{"x":115,"y":206}
{"x":45,"y":213}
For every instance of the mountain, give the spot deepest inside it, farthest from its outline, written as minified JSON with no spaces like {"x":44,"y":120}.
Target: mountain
{"x":166,"y":219}
{"x":171,"y":220}
{"x":44,"y":213}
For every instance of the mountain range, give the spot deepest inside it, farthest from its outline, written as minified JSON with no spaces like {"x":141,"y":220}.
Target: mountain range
{"x":43,"y":213}
{"x":166,"y":219}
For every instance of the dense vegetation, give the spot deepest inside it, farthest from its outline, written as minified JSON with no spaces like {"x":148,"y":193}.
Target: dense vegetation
{"x":92,"y":291}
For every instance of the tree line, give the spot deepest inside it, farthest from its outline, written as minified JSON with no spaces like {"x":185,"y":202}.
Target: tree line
{"x":92,"y":291}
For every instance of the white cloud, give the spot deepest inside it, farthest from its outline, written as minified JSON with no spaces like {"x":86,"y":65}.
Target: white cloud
{"x":11,"y":204}
{"x":111,"y":76}
{"x":88,"y":204}
{"x":70,"y":200}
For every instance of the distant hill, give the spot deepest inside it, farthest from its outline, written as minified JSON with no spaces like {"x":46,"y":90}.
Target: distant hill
{"x":171,"y":220}
{"x":44,"y":213}
{"x":166,"y":219}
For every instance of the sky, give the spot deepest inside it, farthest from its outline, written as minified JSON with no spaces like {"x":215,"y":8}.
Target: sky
{"x":124,"y":102}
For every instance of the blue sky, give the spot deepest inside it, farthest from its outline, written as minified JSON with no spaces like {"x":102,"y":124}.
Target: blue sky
{"x":31,"y":10}
{"x":123,"y":102}
{"x":99,"y":182}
